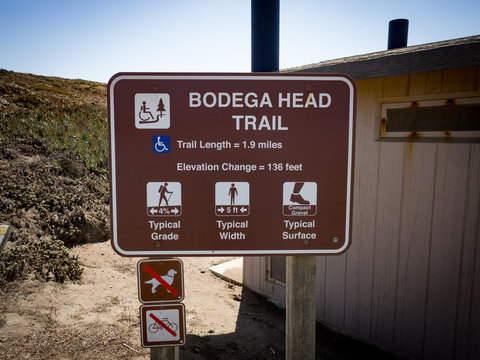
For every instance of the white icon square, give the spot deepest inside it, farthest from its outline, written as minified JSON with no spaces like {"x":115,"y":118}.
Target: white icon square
{"x":232,"y":198}
{"x":164,"y":194}
{"x":232,"y":193}
{"x":156,"y":331}
{"x":164,"y":198}
{"x":299,"y":193}
{"x":299,"y":198}
{"x":152,"y":111}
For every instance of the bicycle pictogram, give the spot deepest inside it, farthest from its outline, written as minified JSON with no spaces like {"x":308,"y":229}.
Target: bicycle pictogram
{"x":155,"y":327}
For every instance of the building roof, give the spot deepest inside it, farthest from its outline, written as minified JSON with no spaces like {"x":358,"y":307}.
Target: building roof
{"x":441,"y":55}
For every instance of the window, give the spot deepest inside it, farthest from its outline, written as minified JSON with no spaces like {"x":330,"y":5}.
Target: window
{"x":276,"y":271}
{"x":435,"y":119}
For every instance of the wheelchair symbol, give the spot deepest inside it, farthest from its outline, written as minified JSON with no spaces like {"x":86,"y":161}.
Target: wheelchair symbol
{"x":161,"y":144}
{"x":146,"y":115}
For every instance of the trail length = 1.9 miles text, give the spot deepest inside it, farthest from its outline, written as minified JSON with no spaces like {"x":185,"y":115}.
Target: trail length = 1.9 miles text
{"x":222,"y":145}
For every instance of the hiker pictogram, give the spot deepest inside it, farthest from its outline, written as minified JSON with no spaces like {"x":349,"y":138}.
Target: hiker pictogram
{"x":232,"y":198}
{"x":152,"y":111}
{"x":164,"y":198}
{"x":299,"y":198}
{"x":163,"y":190}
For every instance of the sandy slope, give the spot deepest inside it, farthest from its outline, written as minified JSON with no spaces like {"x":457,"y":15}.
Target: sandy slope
{"x":99,"y":314}
{"x":98,"y":317}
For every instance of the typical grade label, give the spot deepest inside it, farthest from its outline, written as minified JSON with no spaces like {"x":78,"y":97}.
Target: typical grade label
{"x":164,"y":230}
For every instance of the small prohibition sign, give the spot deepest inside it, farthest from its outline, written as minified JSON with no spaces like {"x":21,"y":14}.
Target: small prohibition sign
{"x":160,"y":280}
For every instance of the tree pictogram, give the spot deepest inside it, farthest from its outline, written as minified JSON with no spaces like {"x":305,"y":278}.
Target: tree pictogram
{"x":161,"y":107}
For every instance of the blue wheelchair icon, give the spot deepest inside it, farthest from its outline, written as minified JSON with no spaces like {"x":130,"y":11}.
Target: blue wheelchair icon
{"x":161,"y":144}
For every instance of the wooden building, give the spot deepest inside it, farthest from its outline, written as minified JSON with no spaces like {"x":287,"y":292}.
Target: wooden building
{"x":410,"y":281}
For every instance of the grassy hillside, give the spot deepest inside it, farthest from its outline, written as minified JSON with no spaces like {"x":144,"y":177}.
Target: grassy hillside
{"x":53,"y":172}
{"x":65,"y":115}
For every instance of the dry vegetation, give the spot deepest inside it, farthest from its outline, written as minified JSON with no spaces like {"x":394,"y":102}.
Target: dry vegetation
{"x":53,"y":172}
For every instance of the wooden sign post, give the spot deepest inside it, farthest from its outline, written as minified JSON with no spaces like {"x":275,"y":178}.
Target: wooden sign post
{"x":165,"y":353}
{"x":300,"y":319}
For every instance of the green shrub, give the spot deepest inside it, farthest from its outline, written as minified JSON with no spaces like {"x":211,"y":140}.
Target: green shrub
{"x":74,"y":128}
{"x":46,"y":259}
{"x":12,"y":264}
{"x":50,"y":260}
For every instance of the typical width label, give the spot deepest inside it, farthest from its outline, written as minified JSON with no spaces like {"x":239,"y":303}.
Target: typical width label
{"x":232,"y":230}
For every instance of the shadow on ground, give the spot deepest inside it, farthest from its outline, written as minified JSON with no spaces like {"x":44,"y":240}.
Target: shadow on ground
{"x":260,"y":334}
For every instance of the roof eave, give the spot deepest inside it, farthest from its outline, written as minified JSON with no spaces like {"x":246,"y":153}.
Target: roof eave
{"x":436,"y":56}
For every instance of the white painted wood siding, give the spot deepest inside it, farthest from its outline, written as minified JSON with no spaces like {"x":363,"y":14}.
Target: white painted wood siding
{"x":410,"y":282}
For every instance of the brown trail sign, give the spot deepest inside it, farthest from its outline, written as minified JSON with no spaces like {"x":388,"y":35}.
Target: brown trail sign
{"x":231,"y":164}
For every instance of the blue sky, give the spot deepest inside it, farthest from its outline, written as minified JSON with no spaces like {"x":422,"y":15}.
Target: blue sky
{"x":94,"y":39}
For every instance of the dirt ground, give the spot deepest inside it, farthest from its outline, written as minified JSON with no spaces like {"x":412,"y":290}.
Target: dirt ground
{"x":98,"y":316}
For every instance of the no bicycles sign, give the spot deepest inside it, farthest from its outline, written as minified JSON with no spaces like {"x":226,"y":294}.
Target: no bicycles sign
{"x":162,"y":325}
{"x":231,"y":164}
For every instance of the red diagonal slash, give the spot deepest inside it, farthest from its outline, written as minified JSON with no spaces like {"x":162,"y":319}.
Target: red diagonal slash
{"x":160,"y":280}
{"x":162,"y":324}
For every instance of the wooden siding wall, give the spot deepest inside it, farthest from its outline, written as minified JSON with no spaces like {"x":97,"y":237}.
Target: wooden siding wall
{"x":410,"y":282}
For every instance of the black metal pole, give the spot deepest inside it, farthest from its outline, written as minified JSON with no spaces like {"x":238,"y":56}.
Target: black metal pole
{"x":265,"y":35}
{"x":300,"y":271}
